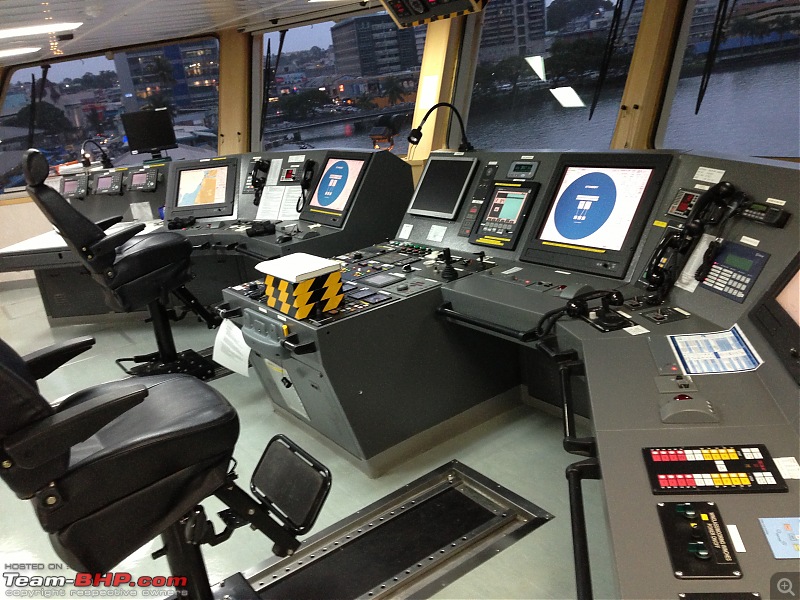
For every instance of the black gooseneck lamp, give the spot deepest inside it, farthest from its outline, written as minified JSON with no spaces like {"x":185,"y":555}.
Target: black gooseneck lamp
{"x":86,"y":157}
{"x":416,"y":134}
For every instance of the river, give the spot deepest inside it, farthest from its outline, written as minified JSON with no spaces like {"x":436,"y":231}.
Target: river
{"x":752,"y":111}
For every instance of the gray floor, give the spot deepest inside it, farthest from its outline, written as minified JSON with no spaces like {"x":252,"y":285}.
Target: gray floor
{"x":520,"y":450}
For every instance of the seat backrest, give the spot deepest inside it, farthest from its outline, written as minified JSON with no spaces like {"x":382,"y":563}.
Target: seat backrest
{"x":22,"y":405}
{"x":78,"y":231}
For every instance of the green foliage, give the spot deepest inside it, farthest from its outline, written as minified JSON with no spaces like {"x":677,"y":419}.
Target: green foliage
{"x":570,"y":60}
{"x":560,"y":12}
{"x":48,"y":118}
{"x":301,"y":105}
{"x":393,"y":90}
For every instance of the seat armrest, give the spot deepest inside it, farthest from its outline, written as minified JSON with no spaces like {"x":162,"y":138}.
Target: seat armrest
{"x":52,"y":436}
{"x":111,"y":242}
{"x":109,"y":222}
{"x":43,"y":362}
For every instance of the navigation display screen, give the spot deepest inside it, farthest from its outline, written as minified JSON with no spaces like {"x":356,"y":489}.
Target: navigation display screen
{"x":70,"y":186}
{"x":595,"y":207}
{"x":103,"y":183}
{"x":206,"y":185}
{"x":336,"y":185}
{"x":504,"y":215}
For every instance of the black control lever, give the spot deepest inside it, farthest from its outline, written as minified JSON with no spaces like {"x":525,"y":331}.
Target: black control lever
{"x":226,"y":312}
{"x":292,"y":345}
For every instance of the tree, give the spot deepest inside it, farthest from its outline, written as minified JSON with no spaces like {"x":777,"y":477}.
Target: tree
{"x":49,"y":118}
{"x":301,"y":105}
{"x":561,"y":12}
{"x":364,"y":102}
{"x":569,"y":60}
{"x":393,"y":90}
{"x":510,"y":69}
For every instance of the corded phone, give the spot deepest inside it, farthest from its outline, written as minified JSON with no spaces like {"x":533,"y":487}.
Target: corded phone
{"x":309,"y":166}
{"x":712,"y":209}
{"x":258,"y":178}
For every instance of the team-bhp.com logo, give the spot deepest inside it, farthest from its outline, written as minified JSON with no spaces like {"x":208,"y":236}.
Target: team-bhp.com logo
{"x":113,"y":584}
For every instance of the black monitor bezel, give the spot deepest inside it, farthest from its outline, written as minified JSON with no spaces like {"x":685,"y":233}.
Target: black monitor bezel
{"x":779,"y":329}
{"x":331,"y":217}
{"x":531,"y":186}
{"x":610,"y":263}
{"x":225,"y":210}
{"x":461,"y":194}
{"x":148,"y":121}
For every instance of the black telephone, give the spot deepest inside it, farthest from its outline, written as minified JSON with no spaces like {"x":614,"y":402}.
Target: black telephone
{"x":309,"y":166}
{"x":713,"y":209}
{"x":258,"y":178}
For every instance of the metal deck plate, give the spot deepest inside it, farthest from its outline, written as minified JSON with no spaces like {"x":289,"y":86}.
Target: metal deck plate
{"x":414,"y":541}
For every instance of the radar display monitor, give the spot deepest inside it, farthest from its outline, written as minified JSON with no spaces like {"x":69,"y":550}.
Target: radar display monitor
{"x":442,"y":186}
{"x":202,"y":189}
{"x":149,"y":131}
{"x":335,"y":189}
{"x":597,"y":210}
{"x":777,"y":317}
{"x":504,"y":215}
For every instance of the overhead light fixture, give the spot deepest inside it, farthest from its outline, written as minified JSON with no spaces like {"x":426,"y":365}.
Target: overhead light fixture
{"x":17,"y":51}
{"x":37,"y":29}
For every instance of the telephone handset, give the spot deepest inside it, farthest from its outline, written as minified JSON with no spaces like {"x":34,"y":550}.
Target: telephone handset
{"x":258,"y":178}
{"x":309,"y":166}
{"x":713,"y":208}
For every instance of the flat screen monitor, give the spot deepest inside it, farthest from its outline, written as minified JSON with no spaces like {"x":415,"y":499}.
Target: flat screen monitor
{"x":504,"y":214}
{"x":335,"y":189}
{"x":598,"y":205}
{"x":204,"y":188}
{"x":777,"y":317}
{"x":442,"y":186}
{"x":149,"y":131}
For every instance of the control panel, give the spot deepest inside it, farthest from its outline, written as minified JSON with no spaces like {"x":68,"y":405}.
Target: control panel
{"x":142,"y":180}
{"x":75,"y":187}
{"x":107,"y":183}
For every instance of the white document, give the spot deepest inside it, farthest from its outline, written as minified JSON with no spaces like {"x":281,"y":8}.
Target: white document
{"x":288,"y":210}
{"x":230,"y":349}
{"x":270,"y":205}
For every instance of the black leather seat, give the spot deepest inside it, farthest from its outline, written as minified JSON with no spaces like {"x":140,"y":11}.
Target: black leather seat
{"x":113,"y":466}
{"x":135,"y":271}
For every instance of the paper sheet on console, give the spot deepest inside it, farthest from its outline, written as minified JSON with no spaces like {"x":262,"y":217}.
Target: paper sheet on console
{"x":715,"y":352}
{"x":230,"y":349}
{"x":278,"y":203}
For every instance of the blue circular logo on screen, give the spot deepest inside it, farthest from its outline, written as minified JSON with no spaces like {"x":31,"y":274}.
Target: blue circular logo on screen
{"x":585,"y":205}
{"x":332,"y":183}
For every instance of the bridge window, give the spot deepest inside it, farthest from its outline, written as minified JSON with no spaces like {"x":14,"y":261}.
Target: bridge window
{"x":84,"y":99}
{"x":751,"y":105}
{"x":530,"y":64}
{"x":350,"y":84}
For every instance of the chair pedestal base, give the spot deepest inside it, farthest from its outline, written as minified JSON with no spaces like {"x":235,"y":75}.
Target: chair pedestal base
{"x":188,"y":361}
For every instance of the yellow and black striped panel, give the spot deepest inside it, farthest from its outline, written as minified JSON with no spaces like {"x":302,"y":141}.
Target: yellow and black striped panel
{"x":472,"y":6}
{"x":298,"y":300}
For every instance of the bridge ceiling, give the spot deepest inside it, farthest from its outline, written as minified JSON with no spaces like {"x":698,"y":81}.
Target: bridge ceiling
{"x":109,"y":24}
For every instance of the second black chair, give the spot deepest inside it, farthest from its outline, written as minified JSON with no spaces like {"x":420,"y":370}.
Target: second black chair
{"x":135,"y":271}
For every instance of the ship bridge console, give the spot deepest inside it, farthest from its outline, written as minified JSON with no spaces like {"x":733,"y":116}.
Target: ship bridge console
{"x":653,"y":294}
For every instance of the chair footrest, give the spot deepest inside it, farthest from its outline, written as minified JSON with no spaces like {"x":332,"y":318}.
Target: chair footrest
{"x":188,"y":361}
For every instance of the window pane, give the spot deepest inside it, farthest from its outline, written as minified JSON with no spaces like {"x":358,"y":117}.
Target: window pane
{"x":521,"y":62}
{"x":83,"y":99}
{"x":751,"y":105}
{"x":350,"y":84}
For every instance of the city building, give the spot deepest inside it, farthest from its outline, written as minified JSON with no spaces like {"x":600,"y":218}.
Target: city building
{"x":373,"y":45}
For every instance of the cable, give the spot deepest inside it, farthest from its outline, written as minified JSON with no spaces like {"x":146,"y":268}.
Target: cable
{"x":105,"y":161}
{"x":416,"y":134}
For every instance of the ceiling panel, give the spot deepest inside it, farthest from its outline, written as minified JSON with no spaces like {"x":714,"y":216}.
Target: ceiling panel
{"x":109,"y":24}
